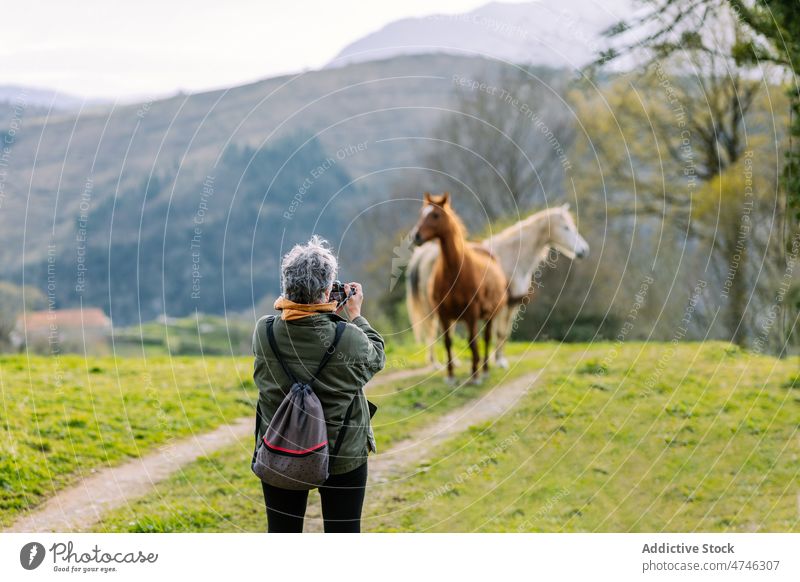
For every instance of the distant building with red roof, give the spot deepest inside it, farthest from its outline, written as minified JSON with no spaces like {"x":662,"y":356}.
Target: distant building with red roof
{"x":60,"y":327}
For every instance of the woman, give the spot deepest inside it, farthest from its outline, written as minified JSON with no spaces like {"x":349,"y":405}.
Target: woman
{"x":304,"y":330}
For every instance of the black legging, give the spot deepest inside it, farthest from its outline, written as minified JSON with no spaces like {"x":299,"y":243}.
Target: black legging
{"x":342,"y":498}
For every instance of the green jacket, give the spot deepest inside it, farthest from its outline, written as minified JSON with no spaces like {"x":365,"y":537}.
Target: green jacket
{"x":302,"y":342}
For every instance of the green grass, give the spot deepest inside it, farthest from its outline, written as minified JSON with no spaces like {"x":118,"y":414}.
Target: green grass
{"x":64,"y":416}
{"x":219,"y":493}
{"x":407,"y":405}
{"x":700,"y":438}
{"x":188,"y":336}
{"x":613,"y":438}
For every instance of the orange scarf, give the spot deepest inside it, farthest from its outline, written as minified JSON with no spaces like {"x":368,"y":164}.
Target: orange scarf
{"x":291,"y":310}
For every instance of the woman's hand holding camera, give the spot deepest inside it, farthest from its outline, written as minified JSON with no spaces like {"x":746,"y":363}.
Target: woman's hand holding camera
{"x":353,"y":304}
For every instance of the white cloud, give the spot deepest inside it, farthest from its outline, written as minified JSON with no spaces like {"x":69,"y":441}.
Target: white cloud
{"x":102,"y":48}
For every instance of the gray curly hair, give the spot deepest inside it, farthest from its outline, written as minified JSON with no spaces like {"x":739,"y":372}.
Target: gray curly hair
{"x":307,"y":271}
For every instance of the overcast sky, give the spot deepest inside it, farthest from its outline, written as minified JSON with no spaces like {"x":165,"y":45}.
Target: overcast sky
{"x":148,"y":48}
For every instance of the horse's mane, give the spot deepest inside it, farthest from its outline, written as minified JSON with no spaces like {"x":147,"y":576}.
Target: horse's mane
{"x":515,"y":229}
{"x":536,"y":216}
{"x":461,"y":229}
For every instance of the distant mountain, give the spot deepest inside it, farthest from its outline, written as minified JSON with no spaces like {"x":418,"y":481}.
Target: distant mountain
{"x":45,"y":98}
{"x":186,"y":203}
{"x":555,"y":34}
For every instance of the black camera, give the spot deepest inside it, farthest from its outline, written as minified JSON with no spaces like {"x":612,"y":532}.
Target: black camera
{"x":337,"y":292}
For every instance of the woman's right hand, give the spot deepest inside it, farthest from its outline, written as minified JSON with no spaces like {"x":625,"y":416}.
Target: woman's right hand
{"x":353,"y":305}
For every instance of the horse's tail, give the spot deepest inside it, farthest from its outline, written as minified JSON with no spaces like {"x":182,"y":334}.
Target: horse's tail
{"x":417,"y":302}
{"x":412,"y":276}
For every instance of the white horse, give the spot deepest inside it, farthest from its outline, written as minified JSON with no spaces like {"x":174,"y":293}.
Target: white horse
{"x":520,"y":249}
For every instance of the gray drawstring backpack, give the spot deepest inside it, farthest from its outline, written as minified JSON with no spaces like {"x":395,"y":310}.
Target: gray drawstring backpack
{"x":294,"y":452}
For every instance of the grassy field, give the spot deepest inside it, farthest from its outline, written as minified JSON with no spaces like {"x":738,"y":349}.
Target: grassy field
{"x":61,"y":417}
{"x":655,"y":437}
{"x":203,"y":334}
{"x":219,"y":493}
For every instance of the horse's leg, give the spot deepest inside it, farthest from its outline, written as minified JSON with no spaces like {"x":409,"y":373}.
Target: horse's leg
{"x":433,"y":332}
{"x":456,"y":361}
{"x":431,"y":329}
{"x":502,"y":335}
{"x":448,"y":344}
{"x":472,"y":326}
{"x":487,"y":340}
{"x":505,"y":322}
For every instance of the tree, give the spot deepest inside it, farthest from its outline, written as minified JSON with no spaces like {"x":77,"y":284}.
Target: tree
{"x":711,"y":45}
{"x":506,"y":143}
{"x":765,"y":31}
{"x":690,"y":158}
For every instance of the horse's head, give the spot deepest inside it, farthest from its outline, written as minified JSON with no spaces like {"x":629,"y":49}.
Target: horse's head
{"x":564,"y":235}
{"x":436,"y":218}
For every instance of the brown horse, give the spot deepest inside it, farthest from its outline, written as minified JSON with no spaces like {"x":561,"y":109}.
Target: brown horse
{"x":467,"y":284}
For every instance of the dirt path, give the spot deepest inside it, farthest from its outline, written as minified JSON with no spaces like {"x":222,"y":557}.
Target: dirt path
{"x":83,"y":504}
{"x":80,"y":506}
{"x":402,"y":460}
